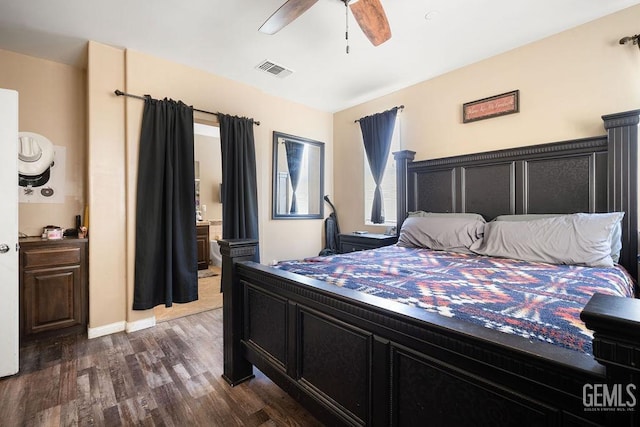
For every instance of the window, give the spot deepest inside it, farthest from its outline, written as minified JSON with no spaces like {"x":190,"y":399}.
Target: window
{"x":389,"y":208}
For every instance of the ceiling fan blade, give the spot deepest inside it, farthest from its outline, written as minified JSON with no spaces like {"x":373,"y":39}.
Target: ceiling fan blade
{"x":371,"y":17}
{"x":287,"y":13}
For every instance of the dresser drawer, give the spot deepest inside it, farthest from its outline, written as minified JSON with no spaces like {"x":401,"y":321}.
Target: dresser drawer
{"x":50,"y":257}
{"x":352,"y":247}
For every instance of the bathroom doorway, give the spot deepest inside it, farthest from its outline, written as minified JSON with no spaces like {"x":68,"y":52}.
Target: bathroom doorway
{"x":208,"y":185}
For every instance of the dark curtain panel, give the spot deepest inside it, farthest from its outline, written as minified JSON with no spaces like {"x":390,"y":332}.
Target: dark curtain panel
{"x":377,"y":131}
{"x":295,"y":151}
{"x":166,"y":269}
{"x":240,"y":195}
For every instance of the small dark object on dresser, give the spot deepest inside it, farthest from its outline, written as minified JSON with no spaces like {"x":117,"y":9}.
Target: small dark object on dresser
{"x":331,"y":231}
{"x":70,"y":232}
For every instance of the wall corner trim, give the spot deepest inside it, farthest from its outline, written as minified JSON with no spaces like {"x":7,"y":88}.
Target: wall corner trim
{"x":138,"y":325}
{"x":109,"y":329}
{"x":116,"y":327}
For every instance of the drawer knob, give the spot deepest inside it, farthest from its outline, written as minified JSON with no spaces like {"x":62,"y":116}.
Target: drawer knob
{"x":4,"y":248}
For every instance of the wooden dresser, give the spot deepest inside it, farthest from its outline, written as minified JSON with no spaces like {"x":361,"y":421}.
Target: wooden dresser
{"x":54,"y":287}
{"x":202,"y":239}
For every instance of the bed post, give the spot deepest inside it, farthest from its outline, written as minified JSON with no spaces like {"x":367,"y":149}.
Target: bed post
{"x":236,"y":368}
{"x":615,"y":323}
{"x":622,"y":135}
{"x":402,"y":158}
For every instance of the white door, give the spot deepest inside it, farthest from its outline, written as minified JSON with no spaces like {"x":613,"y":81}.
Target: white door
{"x":8,"y":232}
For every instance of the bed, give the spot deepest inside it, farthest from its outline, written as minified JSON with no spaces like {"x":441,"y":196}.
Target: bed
{"x":536,"y":300}
{"x":356,"y":358}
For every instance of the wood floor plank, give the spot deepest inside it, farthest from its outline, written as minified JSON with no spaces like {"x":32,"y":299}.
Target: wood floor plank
{"x":167,"y":345}
{"x":122,"y":381}
{"x":169,"y":375}
{"x":134,"y":369}
{"x":69,"y":346}
{"x":131,"y":413}
{"x":172,"y":404}
{"x":47,"y":417}
{"x":43,"y":388}
{"x":153,"y":349}
{"x":12,"y":398}
{"x":107,"y":395}
{"x":89,"y":412}
{"x":215,"y":408}
{"x":154,"y":372}
{"x":112,"y":416}
{"x":122,"y":343}
{"x":69,"y":414}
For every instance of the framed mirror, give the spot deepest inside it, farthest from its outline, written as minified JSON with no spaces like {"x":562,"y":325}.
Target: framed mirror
{"x":298,"y":177}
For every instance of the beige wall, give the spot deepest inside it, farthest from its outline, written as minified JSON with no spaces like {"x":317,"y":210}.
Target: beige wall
{"x":52,"y":103}
{"x":566,"y":83}
{"x":109,"y":116}
{"x":106,"y":188}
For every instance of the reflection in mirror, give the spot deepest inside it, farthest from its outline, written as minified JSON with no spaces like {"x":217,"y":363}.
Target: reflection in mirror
{"x":298,"y":177}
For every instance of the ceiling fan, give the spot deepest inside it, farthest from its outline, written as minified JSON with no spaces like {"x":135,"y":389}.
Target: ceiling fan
{"x":368,"y":13}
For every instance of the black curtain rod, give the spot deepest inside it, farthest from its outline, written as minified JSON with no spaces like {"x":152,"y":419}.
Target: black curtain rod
{"x":401,"y":107}
{"x":121,"y":93}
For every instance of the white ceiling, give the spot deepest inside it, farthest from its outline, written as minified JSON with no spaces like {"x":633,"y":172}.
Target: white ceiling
{"x":429,"y":38}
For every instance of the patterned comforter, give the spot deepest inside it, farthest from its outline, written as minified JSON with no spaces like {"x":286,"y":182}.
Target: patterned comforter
{"x":537,"y":301}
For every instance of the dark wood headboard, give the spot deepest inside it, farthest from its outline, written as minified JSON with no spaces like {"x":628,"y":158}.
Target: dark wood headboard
{"x":585,"y":175}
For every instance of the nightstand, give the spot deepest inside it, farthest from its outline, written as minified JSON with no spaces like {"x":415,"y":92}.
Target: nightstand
{"x":358,"y":242}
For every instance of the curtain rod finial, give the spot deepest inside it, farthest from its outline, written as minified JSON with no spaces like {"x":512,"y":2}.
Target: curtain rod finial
{"x":633,"y":39}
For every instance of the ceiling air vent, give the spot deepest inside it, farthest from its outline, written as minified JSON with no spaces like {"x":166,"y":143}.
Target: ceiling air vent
{"x":274,"y":69}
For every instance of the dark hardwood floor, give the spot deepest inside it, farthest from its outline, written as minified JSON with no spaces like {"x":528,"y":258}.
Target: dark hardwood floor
{"x":167,"y":375}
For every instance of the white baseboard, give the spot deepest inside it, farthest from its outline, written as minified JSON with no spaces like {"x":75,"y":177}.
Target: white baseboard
{"x":113,"y":328}
{"x":138,"y":325}
{"x":101,"y":331}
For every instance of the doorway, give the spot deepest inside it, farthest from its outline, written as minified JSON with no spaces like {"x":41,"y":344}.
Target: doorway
{"x":208,"y":186}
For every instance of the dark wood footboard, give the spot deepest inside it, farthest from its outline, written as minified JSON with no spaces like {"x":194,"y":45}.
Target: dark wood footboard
{"x":355,"y":359}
